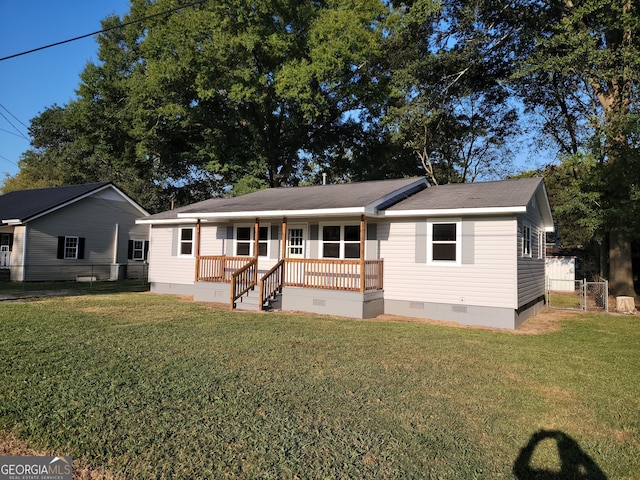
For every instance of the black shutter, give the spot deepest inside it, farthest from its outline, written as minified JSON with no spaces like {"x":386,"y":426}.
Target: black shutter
{"x":146,"y":250}
{"x":130,"y":250}
{"x":81,"y":248}
{"x":60,"y":247}
{"x":10,"y":241}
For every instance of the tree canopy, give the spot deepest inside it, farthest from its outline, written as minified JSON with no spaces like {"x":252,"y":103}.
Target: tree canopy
{"x":224,"y":97}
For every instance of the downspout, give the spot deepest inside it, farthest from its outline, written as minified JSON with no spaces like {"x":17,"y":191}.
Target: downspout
{"x":24,"y":254}
{"x":115,"y":245}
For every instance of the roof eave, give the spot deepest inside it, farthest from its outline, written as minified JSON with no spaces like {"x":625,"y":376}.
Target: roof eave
{"x":278,"y":213}
{"x":448,"y":212}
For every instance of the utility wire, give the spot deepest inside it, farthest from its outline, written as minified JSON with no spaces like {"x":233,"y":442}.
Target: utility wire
{"x":16,"y":118}
{"x":14,"y":127}
{"x":180,"y":7}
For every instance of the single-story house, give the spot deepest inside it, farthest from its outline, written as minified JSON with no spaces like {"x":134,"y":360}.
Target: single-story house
{"x":72,"y":232}
{"x":470,"y":253}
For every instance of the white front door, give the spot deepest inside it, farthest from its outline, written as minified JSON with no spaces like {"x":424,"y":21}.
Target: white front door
{"x":295,"y":241}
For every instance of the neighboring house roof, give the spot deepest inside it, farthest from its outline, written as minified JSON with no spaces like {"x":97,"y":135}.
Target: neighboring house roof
{"x":498,"y":197}
{"x":334,"y":199}
{"x":22,"y":206}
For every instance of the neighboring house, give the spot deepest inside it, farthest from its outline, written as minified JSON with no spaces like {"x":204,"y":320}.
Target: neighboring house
{"x":72,"y":232}
{"x":470,"y":253}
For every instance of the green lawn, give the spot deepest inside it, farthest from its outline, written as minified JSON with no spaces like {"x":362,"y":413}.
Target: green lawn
{"x":149,"y":386}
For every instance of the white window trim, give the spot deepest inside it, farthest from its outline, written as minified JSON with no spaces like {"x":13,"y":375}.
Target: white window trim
{"x":192,"y":241}
{"x":77,"y":247}
{"x":541,"y":245}
{"x":444,"y":263}
{"x":252,"y":231}
{"x":342,"y":241}
{"x":527,"y":227}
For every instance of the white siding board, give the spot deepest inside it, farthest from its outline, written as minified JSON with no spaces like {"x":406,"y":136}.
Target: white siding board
{"x":165,"y":267}
{"x":489,"y":281}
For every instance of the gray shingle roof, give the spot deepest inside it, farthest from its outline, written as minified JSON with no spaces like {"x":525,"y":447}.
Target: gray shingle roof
{"x":505,"y":193}
{"x":25,"y":204}
{"x":318,"y":197}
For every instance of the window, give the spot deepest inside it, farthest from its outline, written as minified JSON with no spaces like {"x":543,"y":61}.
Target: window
{"x":444,"y":242}
{"x":526,"y":240}
{"x":245,"y":244}
{"x":138,"y":249}
{"x":70,"y":247}
{"x":243,"y":241}
{"x":341,"y":241}
{"x":186,"y":241}
{"x":541,"y":245}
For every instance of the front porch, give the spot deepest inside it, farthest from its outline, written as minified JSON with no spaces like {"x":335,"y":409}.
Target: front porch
{"x":238,"y":276}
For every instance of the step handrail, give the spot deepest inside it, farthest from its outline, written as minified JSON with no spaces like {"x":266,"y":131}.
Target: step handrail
{"x":243,"y":280}
{"x":271,"y":282}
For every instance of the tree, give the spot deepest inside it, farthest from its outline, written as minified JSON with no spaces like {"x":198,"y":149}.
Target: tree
{"x":223,"y":93}
{"x":450,"y":105}
{"x":585,"y":59}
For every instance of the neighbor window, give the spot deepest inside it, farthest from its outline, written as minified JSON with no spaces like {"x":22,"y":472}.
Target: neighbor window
{"x":71,"y":247}
{"x":341,"y":241}
{"x":138,"y":249}
{"x":526,"y":240}
{"x":186,"y":241}
{"x":245,"y":244}
{"x":444,"y":242}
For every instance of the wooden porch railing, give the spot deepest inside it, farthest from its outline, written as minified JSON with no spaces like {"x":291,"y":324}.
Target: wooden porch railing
{"x":271,"y":282}
{"x":333,"y":274}
{"x":243,"y":280}
{"x":219,"y":268}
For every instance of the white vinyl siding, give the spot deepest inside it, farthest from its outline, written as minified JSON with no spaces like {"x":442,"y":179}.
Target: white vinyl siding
{"x":489,"y":280}
{"x":165,"y":266}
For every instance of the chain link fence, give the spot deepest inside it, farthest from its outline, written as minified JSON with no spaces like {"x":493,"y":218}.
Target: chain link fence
{"x":578,"y":295}
{"x":48,"y":280}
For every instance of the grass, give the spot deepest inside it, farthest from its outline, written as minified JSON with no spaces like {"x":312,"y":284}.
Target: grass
{"x":571,"y":300}
{"x":149,"y":386}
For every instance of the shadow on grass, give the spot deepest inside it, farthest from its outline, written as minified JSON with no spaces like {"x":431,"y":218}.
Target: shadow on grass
{"x":574,"y":463}
{"x":23,"y":290}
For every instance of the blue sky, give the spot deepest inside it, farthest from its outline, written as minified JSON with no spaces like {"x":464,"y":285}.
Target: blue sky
{"x":31,"y":83}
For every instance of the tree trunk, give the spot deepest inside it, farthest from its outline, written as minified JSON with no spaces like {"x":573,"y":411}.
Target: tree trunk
{"x":620,"y":272}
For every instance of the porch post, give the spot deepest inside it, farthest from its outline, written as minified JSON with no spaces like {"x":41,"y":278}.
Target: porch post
{"x":256,"y":247}
{"x":283,"y":249}
{"x":283,"y":246}
{"x":363,"y":237}
{"x":197,"y":250}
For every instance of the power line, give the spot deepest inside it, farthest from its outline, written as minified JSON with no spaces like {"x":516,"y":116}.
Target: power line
{"x":14,"y":127}
{"x":16,"y":118}
{"x":147,"y":17}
